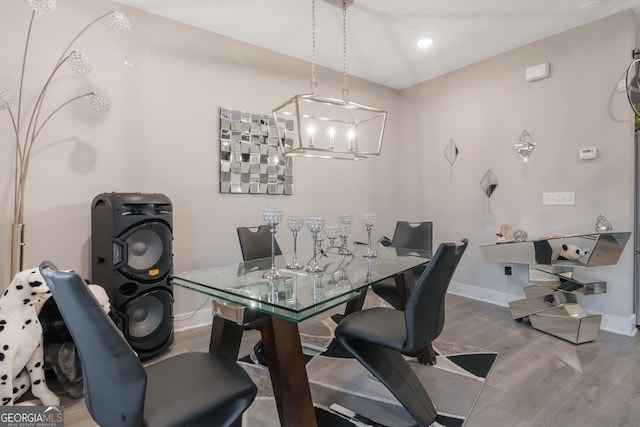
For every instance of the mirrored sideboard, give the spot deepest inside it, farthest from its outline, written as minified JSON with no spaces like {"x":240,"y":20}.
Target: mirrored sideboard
{"x":556,"y":264}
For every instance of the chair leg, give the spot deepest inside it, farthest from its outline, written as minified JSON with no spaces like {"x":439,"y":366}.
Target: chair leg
{"x":394,"y":372}
{"x":427,"y":356}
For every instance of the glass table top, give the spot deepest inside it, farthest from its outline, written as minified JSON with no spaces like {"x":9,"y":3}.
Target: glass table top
{"x":299,"y":295}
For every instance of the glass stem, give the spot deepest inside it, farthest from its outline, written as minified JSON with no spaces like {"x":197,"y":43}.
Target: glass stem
{"x":295,"y":248}
{"x":315,"y":246}
{"x":369,"y":237}
{"x":273,"y":248}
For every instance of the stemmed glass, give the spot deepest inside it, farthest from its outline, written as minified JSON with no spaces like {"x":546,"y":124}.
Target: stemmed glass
{"x":368,"y":219}
{"x":331,"y":233}
{"x":295,"y":224}
{"x":343,"y":231}
{"x":315,"y":224}
{"x":272,"y":216}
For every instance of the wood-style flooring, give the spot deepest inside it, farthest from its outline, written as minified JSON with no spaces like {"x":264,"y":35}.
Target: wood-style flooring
{"x":538,"y":380}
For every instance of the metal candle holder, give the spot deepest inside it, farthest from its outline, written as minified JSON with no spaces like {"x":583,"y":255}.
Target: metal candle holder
{"x":368,"y":219}
{"x":272,"y":216}
{"x":315,"y":224}
{"x":295,"y":224}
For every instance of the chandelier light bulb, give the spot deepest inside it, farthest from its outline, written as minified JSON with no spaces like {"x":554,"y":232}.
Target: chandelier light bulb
{"x":5,"y":100}
{"x":332,"y":134}
{"x":43,"y":7}
{"x":311,"y":130}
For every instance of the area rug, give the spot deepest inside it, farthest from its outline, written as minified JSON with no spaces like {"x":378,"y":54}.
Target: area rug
{"x":454,"y":383}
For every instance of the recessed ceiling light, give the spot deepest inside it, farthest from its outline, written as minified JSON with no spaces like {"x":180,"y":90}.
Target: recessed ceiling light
{"x":424,"y":43}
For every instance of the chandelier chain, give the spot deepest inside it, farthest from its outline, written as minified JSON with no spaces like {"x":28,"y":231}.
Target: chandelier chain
{"x":314,"y":83}
{"x":345,"y":91}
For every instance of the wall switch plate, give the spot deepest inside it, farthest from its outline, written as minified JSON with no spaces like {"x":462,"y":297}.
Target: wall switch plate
{"x":566,"y":198}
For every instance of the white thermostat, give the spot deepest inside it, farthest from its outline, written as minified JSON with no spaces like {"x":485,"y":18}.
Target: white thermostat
{"x":588,"y":153}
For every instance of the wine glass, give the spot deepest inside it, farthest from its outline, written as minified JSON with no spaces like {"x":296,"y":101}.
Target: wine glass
{"x":331,"y":232}
{"x":315,"y":224}
{"x":368,"y":219}
{"x":272,"y":216}
{"x":295,"y":224}
{"x":344,"y":231}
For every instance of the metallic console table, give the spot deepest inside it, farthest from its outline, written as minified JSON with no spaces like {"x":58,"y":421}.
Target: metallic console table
{"x":551,"y":304}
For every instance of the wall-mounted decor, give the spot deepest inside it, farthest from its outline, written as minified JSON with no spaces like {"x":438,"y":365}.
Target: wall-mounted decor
{"x":250,"y":159}
{"x":525,"y":145}
{"x":451,"y":154}
{"x":488,"y":184}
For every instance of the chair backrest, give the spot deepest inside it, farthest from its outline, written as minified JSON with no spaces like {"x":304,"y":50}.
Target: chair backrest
{"x":424,"y":311}
{"x":413,"y":235}
{"x":114,"y":379}
{"x":255,"y":242}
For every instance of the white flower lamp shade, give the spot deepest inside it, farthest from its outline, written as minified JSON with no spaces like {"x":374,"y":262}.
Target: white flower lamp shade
{"x":119,"y":22}
{"x":5,"y":100}
{"x":43,"y":7}
{"x":330,"y":128}
{"x":79,"y":63}
{"x":99,"y":103}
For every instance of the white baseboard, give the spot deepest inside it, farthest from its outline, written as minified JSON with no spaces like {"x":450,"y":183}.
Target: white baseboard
{"x":619,"y":325}
{"x":611,"y":323}
{"x":482,"y":294}
{"x":192,"y":320}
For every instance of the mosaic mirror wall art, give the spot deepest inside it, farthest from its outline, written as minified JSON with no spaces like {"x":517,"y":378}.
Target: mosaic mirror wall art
{"x":250,"y":160}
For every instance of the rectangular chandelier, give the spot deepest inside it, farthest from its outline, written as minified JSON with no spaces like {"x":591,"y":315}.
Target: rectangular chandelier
{"x":329,"y":128}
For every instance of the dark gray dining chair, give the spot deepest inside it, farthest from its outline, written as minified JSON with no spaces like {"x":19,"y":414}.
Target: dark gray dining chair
{"x":408,"y":235}
{"x":380,"y":337}
{"x":255,"y":242}
{"x":190,"y":389}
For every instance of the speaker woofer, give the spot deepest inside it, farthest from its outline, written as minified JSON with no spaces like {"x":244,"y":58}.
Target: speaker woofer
{"x":146,"y":325}
{"x":147,"y":256}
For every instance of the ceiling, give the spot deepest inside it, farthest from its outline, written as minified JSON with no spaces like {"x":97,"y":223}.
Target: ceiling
{"x":382,"y":34}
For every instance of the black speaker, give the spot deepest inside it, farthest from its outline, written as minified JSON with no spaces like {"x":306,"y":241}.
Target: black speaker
{"x":132,"y":258}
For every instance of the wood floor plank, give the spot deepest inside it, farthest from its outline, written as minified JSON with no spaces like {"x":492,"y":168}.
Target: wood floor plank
{"x":538,"y":380}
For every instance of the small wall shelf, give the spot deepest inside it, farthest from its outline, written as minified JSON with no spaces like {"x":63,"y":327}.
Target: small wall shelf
{"x":551,"y":303}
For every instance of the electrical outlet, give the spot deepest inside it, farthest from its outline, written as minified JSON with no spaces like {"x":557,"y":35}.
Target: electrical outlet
{"x":508,"y":270}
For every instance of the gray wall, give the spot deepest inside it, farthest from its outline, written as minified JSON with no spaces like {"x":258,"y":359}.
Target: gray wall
{"x":166,"y":82}
{"x":485,"y":107}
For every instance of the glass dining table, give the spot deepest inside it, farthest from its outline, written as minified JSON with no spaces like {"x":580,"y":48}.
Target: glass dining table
{"x":242,"y":297}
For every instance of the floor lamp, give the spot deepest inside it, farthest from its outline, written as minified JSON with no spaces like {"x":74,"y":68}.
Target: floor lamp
{"x":27,"y":122}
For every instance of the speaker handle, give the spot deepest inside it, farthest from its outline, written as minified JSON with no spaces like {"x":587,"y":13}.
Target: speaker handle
{"x":120,"y":253}
{"x":122,"y":322}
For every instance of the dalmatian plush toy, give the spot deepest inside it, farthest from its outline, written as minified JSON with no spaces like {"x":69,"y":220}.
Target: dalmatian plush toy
{"x":21,"y":349}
